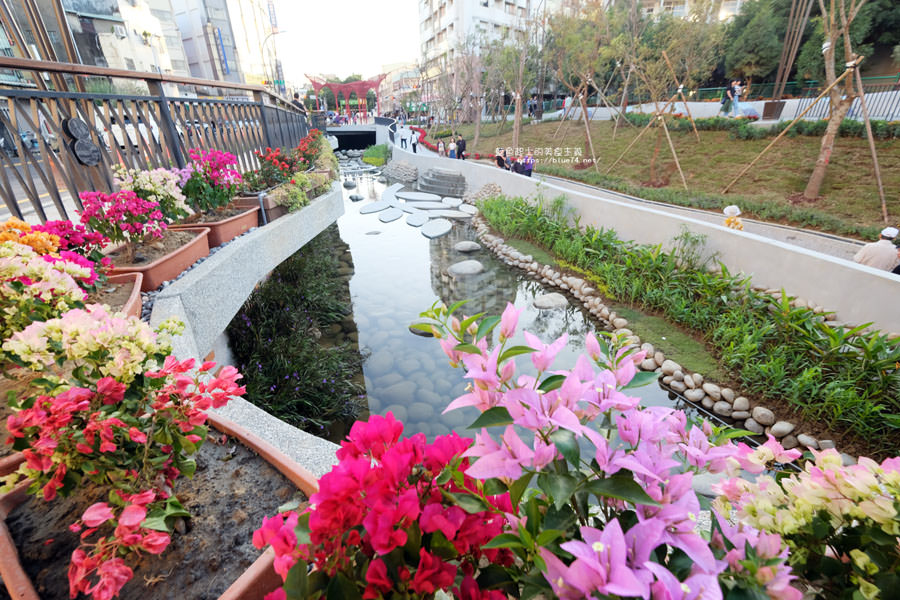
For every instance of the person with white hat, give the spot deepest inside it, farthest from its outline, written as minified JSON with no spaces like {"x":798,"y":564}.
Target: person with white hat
{"x":881,"y":254}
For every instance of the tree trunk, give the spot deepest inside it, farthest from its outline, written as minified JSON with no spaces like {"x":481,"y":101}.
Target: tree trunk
{"x":654,"y":160}
{"x":517,"y":122}
{"x":814,"y":185}
{"x":477,"y":126}
{"x":587,"y":131}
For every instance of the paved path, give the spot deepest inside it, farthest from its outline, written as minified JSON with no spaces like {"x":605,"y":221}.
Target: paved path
{"x":825,"y":243}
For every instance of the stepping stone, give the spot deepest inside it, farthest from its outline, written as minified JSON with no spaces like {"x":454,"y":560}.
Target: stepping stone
{"x":468,"y":208}
{"x":452,"y":202}
{"x":382,"y":179}
{"x":419,"y":196}
{"x":428,"y":205}
{"x":389,"y":193}
{"x":436,"y":228}
{"x":550,"y":301}
{"x":373,"y":233}
{"x":417,"y":219}
{"x":465,"y":268}
{"x":450,"y":214}
{"x":391,"y":214}
{"x":467,"y":246}
{"x":356,"y":197}
{"x":405,"y":207}
{"x":349,"y":185}
{"x":374,"y":207}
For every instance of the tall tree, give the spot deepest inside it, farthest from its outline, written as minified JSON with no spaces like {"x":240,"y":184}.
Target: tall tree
{"x":837,"y":18}
{"x":753,"y":47}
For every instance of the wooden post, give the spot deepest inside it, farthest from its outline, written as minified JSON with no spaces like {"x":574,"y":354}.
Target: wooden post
{"x":643,"y":131}
{"x":862,"y":103}
{"x":788,"y":128}
{"x":681,"y":93}
{"x":623,"y":112}
{"x":672,"y":148}
{"x":566,"y":112}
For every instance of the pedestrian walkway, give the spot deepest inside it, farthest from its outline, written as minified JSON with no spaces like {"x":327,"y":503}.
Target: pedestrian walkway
{"x":825,"y":243}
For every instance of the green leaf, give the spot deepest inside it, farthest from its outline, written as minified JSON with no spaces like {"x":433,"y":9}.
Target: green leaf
{"x":567,"y":445}
{"x":469,"y":503}
{"x":467,"y":348}
{"x":492,"y":417}
{"x":493,"y":487}
{"x":187,"y":467}
{"x":341,"y":588}
{"x":517,"y":489}
{"x":514,"y":351}
{"x":440,"y":545}
{"x":495,"y":577}
{"x":547,"y":536}
{"x":640,"y":379}
{"x":464,"y":325}
{"x":558,"y":486}
{"x":426,"y":327}
{"x":533,"y":514}
{"x":486,"y":326}
{"x":296,"y":586}
{"x":455,"y":306}
{"x":621,"y":487}
{"x":290,"y":505}
{"x":504,"y":540}
{"x":551,"y":383}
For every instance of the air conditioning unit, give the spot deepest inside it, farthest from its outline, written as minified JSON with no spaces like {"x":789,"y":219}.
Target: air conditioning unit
{"x":120,"y":32}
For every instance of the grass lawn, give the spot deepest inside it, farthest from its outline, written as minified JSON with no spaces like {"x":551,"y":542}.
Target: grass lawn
{"x":849,"y":193}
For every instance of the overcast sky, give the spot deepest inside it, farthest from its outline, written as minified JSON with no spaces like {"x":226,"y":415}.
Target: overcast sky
{"x":343,"y":37}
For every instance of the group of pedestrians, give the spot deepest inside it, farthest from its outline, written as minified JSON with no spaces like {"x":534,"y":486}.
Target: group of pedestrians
{"x":523,"y":165}
{"x":733,"y":95}
{"x":408,"y":136}
{"x":454,"y":148}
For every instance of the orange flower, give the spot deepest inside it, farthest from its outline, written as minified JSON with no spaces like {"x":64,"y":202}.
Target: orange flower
{"x":42,"y":243}
{"x":15,"y":224}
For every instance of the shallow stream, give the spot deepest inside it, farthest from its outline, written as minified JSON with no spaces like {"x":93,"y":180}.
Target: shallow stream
{"x":398,"y":273}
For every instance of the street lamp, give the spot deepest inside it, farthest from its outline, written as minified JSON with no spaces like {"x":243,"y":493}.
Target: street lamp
{"x":262,"y":48}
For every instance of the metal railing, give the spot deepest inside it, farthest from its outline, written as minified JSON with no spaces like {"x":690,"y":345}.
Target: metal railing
{"x":882,"y":102}
{"x":47,"y":158}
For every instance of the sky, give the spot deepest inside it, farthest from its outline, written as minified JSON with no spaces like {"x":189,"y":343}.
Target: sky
{"x":343,"y":37}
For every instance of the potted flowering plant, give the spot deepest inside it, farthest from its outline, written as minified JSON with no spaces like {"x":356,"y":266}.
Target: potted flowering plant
{"x":596,"y":501}
{"x":209,"y":183}
{"x":128,"y":219}
{"x":162,"y":186}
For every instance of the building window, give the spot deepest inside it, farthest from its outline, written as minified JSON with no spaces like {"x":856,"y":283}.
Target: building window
{"x":129,"y":64}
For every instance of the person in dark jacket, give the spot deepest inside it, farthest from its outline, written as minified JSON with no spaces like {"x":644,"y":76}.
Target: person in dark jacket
{"x":460,"y":148}
{"x":500,"y":158}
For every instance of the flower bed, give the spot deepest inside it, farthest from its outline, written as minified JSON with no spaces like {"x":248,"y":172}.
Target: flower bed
{"x":571,"y":489}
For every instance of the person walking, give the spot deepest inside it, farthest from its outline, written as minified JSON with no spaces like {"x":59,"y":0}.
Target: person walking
{"x":440,"y":147}
{"x":402,"y":137}
{"x":414,"y":139}
{"x":300,"y":106}
{"x":736,"y":91}
{"x":460,"y":147}
{"x":881,"y":254}
{"x":451,"y":148}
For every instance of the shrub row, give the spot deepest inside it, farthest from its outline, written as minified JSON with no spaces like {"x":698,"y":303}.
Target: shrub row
{"x":377,"y":155}
{"x":766,"y":210}
{"x":840,"y":377}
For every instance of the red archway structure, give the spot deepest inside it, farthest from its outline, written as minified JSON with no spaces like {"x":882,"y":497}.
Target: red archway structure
{"x":346,"y":89}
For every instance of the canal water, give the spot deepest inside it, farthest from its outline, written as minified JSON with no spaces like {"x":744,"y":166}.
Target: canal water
{"x":398,"y":273}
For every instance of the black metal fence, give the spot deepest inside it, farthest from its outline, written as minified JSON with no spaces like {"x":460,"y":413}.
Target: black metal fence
{"x":56,"y":144}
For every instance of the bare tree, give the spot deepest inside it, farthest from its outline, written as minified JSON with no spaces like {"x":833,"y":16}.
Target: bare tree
{"x":836,"y":20}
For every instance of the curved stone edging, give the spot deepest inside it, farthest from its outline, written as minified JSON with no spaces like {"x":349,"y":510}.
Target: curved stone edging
{"x":724,"y":402}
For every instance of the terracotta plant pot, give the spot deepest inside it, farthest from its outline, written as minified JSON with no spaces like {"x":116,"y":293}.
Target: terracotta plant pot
{"x":272,"y":210}
{"x":171,"y":265}
{"x":257,"y":581}
{"x":221,"y":232}
{"x":132,"y":306}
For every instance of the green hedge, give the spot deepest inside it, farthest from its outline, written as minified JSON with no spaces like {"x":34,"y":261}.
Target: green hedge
{"x":774,"y":351}
{"x":742,"y":128}
{"x":766,"y":210}
{"x":377,"y":155}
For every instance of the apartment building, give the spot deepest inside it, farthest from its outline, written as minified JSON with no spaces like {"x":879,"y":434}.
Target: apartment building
{"x":208,"y":38}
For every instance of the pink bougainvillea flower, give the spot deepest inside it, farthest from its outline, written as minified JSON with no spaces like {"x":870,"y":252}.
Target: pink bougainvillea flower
{"x":508,"y":321}
{"x":545,"y":353}
{"x":97,"y":514}
{"x":499,"y":460}
{"x":132,"y":515}
{"x":432,"y":574}
{"x":378,"y":581}
{"x":604,"y":552}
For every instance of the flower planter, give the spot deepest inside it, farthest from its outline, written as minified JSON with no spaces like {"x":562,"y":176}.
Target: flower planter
{"x":132,"y":306}
{"x":171,"y":265}
{"x":253,"y":584}
{"x":221,"y":232}
{"x":273,"y":211}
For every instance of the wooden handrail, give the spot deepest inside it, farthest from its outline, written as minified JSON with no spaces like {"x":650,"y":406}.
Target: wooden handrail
{"x":27,"y":64}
